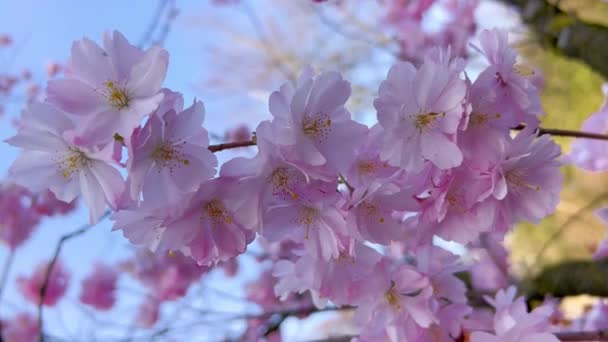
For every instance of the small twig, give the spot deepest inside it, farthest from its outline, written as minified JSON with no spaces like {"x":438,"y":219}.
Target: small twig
{"x":565,"y":133}
{"x":5,"y":271}
{"x":226,"y":146}
{"x":172,"y":13}
{"x":153,"y":23}
{"x":601,"y":335}
{"x":345,"y":182}
{"x":50,"y":266}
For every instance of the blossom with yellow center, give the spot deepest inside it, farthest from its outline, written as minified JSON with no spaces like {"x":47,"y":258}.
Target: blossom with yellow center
{"x":74,"y":161}
{"x":425,"y":120}
{"x":118,"y":97}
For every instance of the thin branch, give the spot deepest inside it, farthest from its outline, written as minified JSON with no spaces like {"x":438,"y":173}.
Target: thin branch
{"x":539,"y":131}
{"x":51,"y":265}
{"x":565,"y":133}
{"x":5,"y":271}
{"x":153,"y":23}
{"x":172,"y":13}
{"x":601,"y":335}
{"x":226,"y":146}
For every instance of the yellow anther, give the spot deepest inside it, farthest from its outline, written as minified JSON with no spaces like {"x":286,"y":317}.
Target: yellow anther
{"x":478,"y":119}
{"x":423,"y":121}
{"x":76,"y":160}
{"x":518,"y":178}
{"x":216,"y":212}
{"x":317,"y":126}
{"x":392,"y":297}
{"x":307,"y":218}
{"x":280,"y":182}
{"x":168,"y":155}
{"x":118,"y":98}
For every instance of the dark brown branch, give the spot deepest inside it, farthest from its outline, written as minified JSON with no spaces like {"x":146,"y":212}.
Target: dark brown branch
{"x":226,"y":146}
{"x":51,"y":265}
{"x":565,"y":133}
{"x":601,"y":335}
{"x":539,"y":131}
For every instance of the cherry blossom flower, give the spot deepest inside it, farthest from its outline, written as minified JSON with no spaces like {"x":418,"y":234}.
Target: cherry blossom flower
{"x":529,"y":180}
{"x":420,"y":110}
{"x":311,"y":124}
{"x":375,"y":213}
{"x":217,"y":222}
{"x":169,"y":156}
{"x":21,"y":328}
{"x":58,"y":282}
{"x":99,"y":288}
{"x":314,"y":219}
{"x":17,"y":220}
{"x":52,"y":159}
{"x":109,"y":90}
{"x":505,"y":84}
{"x":395,"y":296}
{"x":167,"y":275}
{"x":591,"y":154}
{"x":513,"y":322}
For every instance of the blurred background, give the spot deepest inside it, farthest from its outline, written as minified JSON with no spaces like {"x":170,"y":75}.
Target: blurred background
{"x":231,"y":54}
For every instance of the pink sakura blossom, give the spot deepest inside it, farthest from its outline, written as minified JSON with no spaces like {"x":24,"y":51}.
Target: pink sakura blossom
{"x":395,"y":296}
{"x":17,"y":220}
{"x":591,"y":154}
{"x":57,"y":284}
{"x":275,"y":179}
{"x":420,"y":110}
{"x":452,"y":209}
{"x":109,"y":90}
{"x":368,"y":168}
{"x":341,"y":280}
{"x":262,"y":293}
{"x":513,"y":322}
{"x":311,"y":124}
{"x":216,"y":223}
{"x":314,"y":219}
{"x":376,"y":213}
{"x":46,"y":203}
{"x":99,"y":288}
{"x":505,"y":85}
{"x":169,"y":156}
{"x":21,"y":328}
{"x":167,"y":275}
{"x":53,"y":159}
{"x":449,"y":300}
{"x":528,"y":179}
{"x":490,"y":272}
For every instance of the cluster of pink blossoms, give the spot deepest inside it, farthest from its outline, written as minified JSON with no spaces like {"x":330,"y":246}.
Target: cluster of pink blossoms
{"x":348,"y":213}
{"x":407,"y":19}
{"x":21,"y":211}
